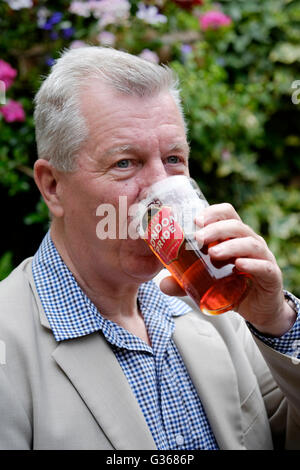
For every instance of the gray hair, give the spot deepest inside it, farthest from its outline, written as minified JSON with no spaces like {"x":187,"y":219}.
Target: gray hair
{"x":60,"y":125}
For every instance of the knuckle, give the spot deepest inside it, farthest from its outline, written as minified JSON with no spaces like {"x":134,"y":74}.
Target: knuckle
{"x":239,"y":227}
{"x":262,"y":240}
{"x":273,"y":269}
{"x":223,"y":211}
{"x":269,"y":267}
{"x":227,"y":207}
{"x":256,"y":245}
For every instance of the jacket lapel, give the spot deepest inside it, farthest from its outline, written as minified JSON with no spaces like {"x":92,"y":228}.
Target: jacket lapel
{"x":211,"y":370}
{"x":96,"y":374}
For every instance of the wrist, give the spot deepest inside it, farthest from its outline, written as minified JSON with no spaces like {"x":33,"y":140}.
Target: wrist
{"x":283,"y":321}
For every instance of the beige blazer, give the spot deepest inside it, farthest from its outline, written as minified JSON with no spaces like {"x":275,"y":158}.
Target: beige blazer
{"x":74,"y":395}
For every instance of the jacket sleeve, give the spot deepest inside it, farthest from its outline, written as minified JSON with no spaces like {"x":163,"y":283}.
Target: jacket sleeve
{"x":284,"y":402}
{"x":278,"y":376}
{"x":15,"y":428}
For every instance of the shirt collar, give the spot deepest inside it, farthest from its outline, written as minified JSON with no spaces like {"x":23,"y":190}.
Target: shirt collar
{"x":71,"y":313}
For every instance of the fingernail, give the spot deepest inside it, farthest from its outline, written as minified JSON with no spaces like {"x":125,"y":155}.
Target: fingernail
{"x":199,"y":238}
{"x":199,"y":235}
{"x":216,"y":249}
{"x":199,"y":220}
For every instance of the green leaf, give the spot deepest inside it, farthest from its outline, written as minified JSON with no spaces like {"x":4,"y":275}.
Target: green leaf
{"x":6,"y":264}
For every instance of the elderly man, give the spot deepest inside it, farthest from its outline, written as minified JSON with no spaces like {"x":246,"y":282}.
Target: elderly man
{"x":96,"y":355}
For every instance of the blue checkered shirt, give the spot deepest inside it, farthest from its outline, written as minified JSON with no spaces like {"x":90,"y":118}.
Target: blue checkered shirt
{"x":156,"y":374}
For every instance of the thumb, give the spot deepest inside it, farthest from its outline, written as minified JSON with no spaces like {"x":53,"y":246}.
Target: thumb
{"x":170,"y":286}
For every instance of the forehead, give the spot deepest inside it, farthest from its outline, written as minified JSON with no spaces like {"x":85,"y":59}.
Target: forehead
{"x":146,"y":126}
{"x":110,"y":113}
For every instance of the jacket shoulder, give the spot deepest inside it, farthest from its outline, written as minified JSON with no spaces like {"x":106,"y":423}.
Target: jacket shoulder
{"x":16,"y":295}
{"x":15,"y":282}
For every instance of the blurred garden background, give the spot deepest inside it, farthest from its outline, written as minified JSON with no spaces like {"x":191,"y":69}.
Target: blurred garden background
{"x":239,"y":66}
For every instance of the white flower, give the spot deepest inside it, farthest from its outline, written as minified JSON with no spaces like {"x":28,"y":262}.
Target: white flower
{"x":80,"y":8}
{"x":18,"y":4}
{"x":42,"y":15}
{"x":150,"y":14}
{"x":110,"y":11}
{"x":107,"y":11}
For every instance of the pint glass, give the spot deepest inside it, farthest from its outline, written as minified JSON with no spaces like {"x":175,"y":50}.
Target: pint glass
{"x":167,"y":225}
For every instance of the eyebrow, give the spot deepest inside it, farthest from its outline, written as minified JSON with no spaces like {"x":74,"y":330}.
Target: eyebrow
{"x":120,"y":149}
{"x":184,"y":146}
{"x":178,"y":146}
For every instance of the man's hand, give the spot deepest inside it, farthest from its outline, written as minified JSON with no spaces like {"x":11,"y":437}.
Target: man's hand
{"x":264,"y":307}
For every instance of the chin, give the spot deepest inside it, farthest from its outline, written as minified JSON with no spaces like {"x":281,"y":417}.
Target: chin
{"x":143,"y":268}
{"x":138,"y":261}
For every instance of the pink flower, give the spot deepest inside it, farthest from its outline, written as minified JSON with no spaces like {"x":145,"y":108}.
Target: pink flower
{"x":77,"y":43}
{"x":13,"y":111}
{"x":151,"y":56}
{"x":226,"y":155}
{"x":106,"y":38}
{"x":214,"y":19}
{"x":7,"y":73}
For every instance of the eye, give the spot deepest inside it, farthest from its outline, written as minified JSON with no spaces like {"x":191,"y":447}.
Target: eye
{"x":124,"y":164}
{"x":173,"y":159}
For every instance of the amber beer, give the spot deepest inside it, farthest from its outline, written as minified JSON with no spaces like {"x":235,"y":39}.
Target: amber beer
{"x":216,"y":287}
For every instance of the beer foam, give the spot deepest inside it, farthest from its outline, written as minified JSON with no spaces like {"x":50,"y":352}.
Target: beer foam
{"x":182,"y":194}
{"x":170,"y":189}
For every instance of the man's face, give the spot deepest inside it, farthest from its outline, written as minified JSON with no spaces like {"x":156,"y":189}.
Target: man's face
{"x":133,"y":142}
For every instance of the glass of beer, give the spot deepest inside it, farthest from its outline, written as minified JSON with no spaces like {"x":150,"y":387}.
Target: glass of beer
{"x":167,"y":224}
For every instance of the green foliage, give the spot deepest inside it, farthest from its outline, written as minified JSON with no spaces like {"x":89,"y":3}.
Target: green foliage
{"x":237,"y":89}
{"x":5,"y":264}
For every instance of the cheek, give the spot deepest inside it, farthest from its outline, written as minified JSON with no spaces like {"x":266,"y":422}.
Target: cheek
{"x":89,"y":201}
{"x":129,"y":189}
{"x":122,"y":197}
{"x":79,"y":204}
{"x":112,"y":207}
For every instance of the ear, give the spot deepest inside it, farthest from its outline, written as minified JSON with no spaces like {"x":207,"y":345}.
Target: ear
{"x":47,"y":178}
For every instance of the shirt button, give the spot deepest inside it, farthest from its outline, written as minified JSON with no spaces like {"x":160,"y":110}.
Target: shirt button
{"x":179,"y":439}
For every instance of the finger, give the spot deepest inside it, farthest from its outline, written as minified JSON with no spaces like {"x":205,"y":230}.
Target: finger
{"x":170,"y":286}
{"x":247,"y":247}
{"x":266,"y":273}
{"x":217,"y":212}
{"x":225,"y":229}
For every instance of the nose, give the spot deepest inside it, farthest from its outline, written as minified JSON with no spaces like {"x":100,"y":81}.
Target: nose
{"x":152,"y":173}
